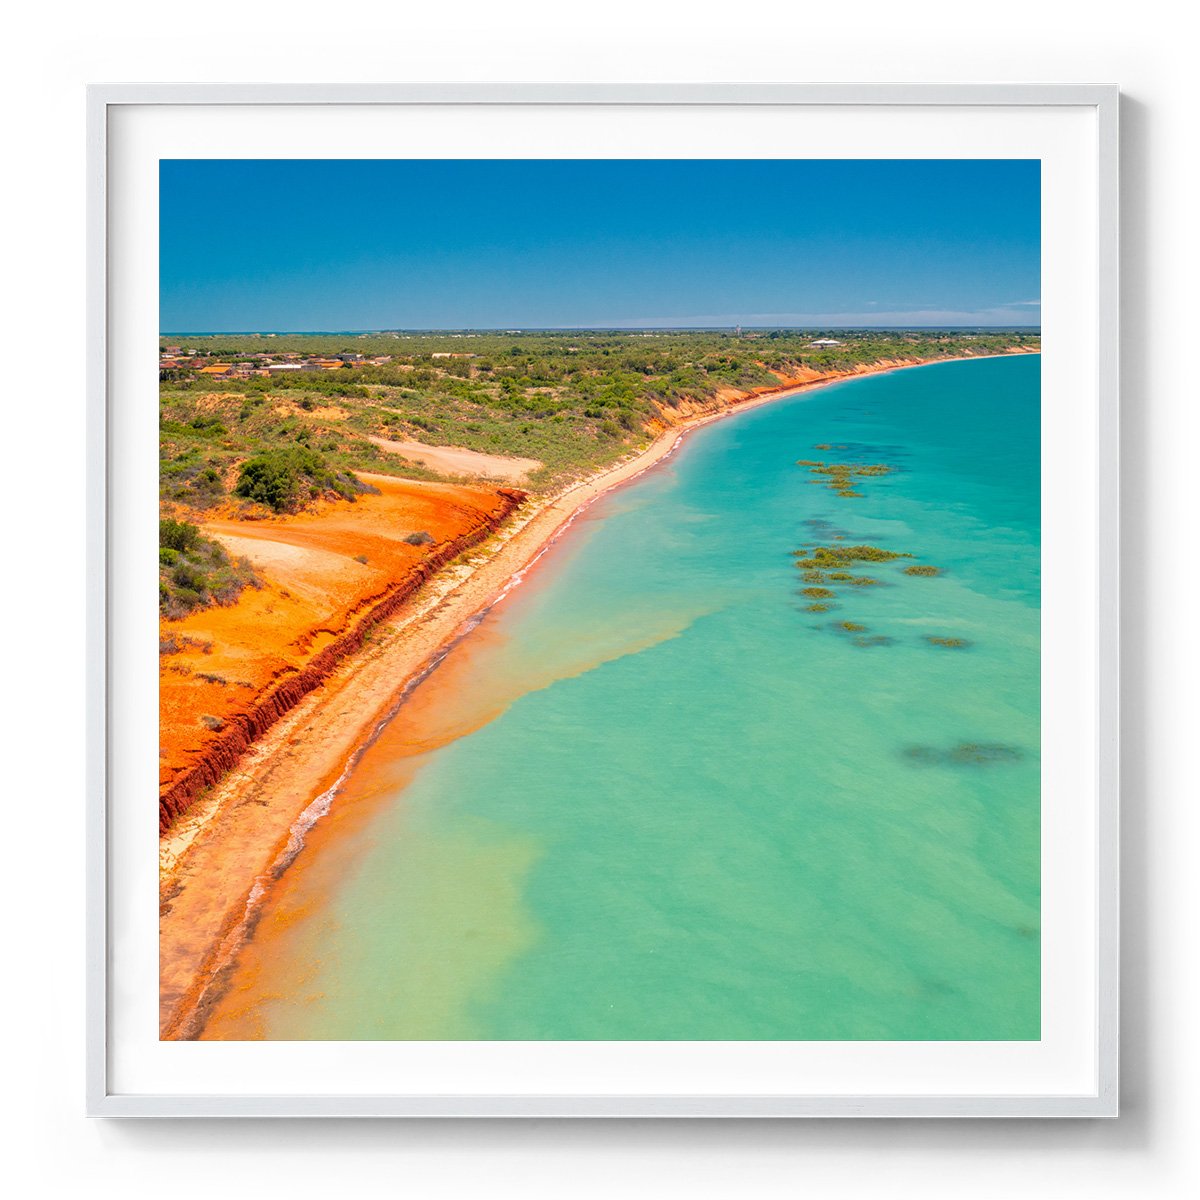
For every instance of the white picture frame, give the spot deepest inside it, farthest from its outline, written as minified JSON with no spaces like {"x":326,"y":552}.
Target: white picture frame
{"x":178,"y":1092}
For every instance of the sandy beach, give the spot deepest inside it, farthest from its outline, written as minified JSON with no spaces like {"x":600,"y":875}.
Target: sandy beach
{"x":219,"y":858}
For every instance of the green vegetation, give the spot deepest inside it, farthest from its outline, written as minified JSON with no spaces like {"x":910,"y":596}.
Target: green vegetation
{"x":575,"y":401}
{"x":194,"y":572}
{"x":828,"y":563}
{"x":839,"y":477}
{"x":288,"y":478}
{"x":839,"y":557}
{"x":832,"y":560}
{"x":176,"y":537}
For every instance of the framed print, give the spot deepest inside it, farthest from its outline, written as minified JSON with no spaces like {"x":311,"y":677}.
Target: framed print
{"x":619,"y":586}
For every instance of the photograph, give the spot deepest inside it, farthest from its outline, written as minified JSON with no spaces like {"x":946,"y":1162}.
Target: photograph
{"x":599,"y":599}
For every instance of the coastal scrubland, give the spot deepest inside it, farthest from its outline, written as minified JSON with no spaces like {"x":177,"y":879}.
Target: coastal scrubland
{"x":196,"y":572}
{"x":567,"y":403}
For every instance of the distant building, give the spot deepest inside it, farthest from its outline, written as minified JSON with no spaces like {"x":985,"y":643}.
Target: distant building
{"x":825,"y":342}
{"x":217,"y":369}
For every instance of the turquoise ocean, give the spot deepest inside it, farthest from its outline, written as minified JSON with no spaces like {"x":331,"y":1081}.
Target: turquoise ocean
{"x":652,"y":796}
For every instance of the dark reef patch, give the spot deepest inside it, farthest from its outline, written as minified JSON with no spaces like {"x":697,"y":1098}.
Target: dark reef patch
{"x":965,"y":754}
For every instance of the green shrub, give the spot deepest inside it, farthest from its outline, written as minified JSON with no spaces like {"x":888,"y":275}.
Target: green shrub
{"x":285,"y":479}
{"x":177,"y":535}
{"x":195,"y":572}
{"x":188,"y":577}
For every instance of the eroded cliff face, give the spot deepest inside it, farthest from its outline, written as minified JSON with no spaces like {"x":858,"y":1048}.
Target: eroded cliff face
{"x":726,"y":398}
{"x":214,"y":743}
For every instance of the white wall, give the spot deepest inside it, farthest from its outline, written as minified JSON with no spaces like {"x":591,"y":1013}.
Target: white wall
{"x":51,"y":52}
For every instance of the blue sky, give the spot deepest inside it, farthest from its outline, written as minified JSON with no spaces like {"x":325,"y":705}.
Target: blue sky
{"x":383,"y":244}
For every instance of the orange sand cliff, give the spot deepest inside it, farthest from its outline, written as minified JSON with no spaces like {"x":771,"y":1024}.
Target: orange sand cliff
{"x":730,"y":397}
{"x":239,"y":668}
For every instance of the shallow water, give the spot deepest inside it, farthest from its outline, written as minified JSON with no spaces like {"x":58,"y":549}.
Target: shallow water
{"x":651,"y":797}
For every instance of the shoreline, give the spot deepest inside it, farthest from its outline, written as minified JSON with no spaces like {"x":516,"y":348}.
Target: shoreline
{"x":219,"y":860}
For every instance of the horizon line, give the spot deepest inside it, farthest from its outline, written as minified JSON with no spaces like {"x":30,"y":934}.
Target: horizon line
{"x":510,"y":329}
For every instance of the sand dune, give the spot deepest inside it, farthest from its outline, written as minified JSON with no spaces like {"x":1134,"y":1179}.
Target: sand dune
{"x":454,"y":460}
